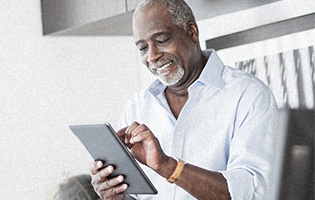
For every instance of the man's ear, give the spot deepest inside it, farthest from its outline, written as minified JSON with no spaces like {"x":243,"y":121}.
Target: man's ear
{"x":193,"y":31}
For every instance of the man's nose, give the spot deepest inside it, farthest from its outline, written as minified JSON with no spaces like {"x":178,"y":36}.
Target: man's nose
{"x":154,"y":54}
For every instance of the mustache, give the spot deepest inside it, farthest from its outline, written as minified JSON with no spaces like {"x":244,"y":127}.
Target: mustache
{"x":162,"y":62}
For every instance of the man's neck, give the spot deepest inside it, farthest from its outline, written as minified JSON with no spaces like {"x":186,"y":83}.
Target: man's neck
{"x":178,"y":95}
{"x":181,"y":89}
{"x":176,"y":101}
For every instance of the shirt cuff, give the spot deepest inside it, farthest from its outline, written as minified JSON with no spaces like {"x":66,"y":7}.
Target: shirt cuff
{"x":240,"y":184}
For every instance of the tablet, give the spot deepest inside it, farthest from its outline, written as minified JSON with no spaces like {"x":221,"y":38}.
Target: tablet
{"x":103,"y":144}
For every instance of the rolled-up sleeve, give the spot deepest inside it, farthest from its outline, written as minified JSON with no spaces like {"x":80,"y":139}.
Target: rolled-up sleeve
{"x":251,"y":146}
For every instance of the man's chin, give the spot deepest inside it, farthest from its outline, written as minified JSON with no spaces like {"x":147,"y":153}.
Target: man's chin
{"x":169,"y":82}
{"x":172,"y":79}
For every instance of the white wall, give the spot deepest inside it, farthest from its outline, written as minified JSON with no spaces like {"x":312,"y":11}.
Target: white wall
{"x":254,"y":17}
{"x":47,"y":83}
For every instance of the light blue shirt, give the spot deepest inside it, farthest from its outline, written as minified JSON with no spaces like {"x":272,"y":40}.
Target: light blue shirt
{"x":224,"y":126}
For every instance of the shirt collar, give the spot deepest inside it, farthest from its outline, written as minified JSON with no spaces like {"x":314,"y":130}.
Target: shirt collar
{"x":156,"y":88}
{"x":213,"y":71}
{"x":210,"y":75}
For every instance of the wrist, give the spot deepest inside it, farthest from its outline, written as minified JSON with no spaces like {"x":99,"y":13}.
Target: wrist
{"x":178,"y":171}
{"x":168,"y":168}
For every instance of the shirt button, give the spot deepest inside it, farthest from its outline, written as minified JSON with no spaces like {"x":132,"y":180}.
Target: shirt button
{"x":178,"y":133}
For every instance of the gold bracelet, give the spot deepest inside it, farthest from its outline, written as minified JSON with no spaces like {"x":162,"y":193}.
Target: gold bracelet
{"x":178,"y":171}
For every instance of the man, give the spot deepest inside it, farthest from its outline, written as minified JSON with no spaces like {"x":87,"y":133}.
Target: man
{"x":212,"y":116}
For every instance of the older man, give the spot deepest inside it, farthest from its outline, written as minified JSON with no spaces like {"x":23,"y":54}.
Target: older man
{"x":212,"y":116}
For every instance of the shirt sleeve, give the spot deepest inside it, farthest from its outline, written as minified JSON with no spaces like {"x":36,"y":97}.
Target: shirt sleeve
{"x":125,"y":118}
{"x":130,"y":111}
{"x":251,"y":145}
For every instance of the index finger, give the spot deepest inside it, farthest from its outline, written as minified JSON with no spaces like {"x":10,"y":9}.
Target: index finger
{"x":121,"y":134}
{"x":129,"y":131}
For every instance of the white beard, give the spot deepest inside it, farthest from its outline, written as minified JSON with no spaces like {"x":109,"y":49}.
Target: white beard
{"x":175,"y":78}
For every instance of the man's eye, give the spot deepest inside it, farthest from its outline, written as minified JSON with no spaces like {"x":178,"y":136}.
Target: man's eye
{"x":162,"y":41}
{"x":142,"y":49}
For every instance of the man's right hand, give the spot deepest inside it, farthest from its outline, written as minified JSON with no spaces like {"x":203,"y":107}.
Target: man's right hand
{"x":106,"y":188}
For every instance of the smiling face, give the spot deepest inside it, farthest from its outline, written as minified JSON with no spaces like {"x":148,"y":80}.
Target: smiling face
{"x":165,"y":48}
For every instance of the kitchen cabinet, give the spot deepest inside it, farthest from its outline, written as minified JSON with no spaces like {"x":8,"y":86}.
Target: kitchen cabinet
{"x":60,"y":15}
{"x":108,"y":17}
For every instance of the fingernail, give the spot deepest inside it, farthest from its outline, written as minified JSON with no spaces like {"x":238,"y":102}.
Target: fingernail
{"x":99,"y":164}
{"x":134,"y":139}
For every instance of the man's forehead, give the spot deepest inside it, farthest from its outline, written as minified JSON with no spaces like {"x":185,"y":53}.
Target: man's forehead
{"x":151,"y":20}
{"x":150,"y":7}
{"x":151,"y":12}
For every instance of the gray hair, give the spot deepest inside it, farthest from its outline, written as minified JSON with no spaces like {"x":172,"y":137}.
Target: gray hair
{"x":180,"y":12}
